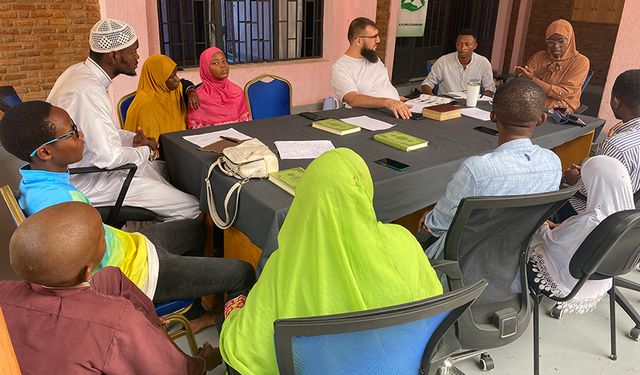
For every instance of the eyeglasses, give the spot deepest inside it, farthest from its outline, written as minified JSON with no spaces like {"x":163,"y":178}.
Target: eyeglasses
{"x":556,"y":42}
{"x":369,"y":36}
{"x":74,"y":132}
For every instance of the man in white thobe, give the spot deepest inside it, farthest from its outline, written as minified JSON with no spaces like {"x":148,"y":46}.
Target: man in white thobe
{"x":82,"y":91}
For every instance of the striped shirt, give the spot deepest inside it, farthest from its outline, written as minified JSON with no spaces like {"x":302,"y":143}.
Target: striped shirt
{"x":624,"y":146}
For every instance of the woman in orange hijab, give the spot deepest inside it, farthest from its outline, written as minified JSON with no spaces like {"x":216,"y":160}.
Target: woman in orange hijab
{"x":560,"y":70}
{"x":159,"y":106}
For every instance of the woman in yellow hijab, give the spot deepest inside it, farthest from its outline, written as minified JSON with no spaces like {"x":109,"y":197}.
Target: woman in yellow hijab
{"x":560,"y":69}
{"x":159,"y":106}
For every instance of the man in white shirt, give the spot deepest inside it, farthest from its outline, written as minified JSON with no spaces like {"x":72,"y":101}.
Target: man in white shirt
{"x":359,"y":78}
{"x":82,"y":91}
{"x":452,"y":72}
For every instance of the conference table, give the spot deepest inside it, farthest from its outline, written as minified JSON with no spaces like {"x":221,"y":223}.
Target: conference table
{"x":263,"y":206}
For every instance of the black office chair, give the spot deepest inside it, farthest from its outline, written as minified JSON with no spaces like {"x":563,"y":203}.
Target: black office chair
{"x":118,"y":215}
{"x":391,"y":340}
{"x":489,"y":239}
{"x":610,"y":250}
{"x":8,"y":98}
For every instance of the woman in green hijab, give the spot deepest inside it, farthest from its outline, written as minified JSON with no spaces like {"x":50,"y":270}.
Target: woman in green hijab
{"x":334,"y":257}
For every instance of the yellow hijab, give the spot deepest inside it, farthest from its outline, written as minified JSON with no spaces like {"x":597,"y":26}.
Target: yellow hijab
{"x":156,"y":109}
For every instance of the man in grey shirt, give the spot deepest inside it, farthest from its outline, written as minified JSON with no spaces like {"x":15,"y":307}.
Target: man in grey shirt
{"x":452,"y":72}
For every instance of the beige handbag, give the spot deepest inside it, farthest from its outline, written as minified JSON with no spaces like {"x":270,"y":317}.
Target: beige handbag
{"x":250,"y":159}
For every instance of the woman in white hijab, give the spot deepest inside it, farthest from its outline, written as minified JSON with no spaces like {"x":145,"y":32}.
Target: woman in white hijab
{"x":608,"y":186}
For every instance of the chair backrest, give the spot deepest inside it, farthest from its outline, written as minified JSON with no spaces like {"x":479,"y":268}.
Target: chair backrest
{"x":489,"y":238}
{"x":586,"y":80}
{"x":268,"y":95}
{"x":611,"y":249}
{"x":8,"y":98}
{"x":8,"y":360}
{"x":123,"y":107}
{"x":636,"y":199}
{"x":392,"y":340}
{"x":12,"y":204}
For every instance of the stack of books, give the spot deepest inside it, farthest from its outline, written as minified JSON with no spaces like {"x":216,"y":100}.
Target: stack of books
{"x":287,"y":179}
{"x":442,"y":112}
{"x":335,"y":126}
{"x":401,"y":141}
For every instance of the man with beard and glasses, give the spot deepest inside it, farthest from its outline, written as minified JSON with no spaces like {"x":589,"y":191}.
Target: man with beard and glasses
{"x":452,"y":72}
{"x":82,"y":91}
{"x":359,"y":78}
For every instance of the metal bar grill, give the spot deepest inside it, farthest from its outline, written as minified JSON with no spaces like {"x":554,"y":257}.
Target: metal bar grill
{"x":247,"y":30}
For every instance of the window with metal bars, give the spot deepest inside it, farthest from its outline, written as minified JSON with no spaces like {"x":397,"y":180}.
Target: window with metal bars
{"x":246,"y":30}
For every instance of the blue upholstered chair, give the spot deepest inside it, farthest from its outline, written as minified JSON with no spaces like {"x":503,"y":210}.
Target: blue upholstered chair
{"x":123,"y":107}
{"x":268,"y":96}
{"x":8,"y":98}
{"x":586,"y":80}
{"x":391,"y":340}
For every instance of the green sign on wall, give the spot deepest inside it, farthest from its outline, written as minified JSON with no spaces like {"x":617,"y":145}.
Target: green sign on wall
{"x":412,"y":17}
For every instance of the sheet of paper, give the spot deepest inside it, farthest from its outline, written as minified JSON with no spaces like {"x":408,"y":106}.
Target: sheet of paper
{"x":366,"y":122}
{"x":425,"y":100}
{"x":207,"y":138}
{"x":477,"y":113}
{"x":461,"y":95}
{"x":302,"y":149}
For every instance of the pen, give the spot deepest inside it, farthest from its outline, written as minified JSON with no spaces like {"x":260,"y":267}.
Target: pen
{"x":236,"y":140}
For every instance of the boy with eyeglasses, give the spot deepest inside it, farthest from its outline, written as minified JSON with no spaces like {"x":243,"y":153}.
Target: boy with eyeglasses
{"x":45,"y":136}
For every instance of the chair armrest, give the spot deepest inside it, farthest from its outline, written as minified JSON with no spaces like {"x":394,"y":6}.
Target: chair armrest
{"x":115,"y":211}
{"x":448,"y":267}
{"x":85,"y":170}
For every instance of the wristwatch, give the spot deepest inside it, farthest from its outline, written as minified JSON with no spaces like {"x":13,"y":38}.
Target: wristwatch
{"x":154,"y":154}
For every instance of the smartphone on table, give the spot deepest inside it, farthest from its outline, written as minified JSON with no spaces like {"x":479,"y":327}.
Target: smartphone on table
{"x":486,"y":130}
{"x":393,"y":164}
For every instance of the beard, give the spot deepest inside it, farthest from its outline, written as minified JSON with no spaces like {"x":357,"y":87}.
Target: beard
{"x":369,"y":54}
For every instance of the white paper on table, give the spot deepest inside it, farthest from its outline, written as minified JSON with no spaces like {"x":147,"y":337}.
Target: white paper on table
{"x":461,"y":95}
{"x":368,"y":123}
{"x":425,"y":100}
{"x":208,"y":138}
{"x":477,"y":113}
{"x":302,"y":149}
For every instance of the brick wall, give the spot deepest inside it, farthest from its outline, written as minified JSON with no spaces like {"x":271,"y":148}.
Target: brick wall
{"x":40,"y":39}
{"x":596,"y":41}
{"x":382,"y":20}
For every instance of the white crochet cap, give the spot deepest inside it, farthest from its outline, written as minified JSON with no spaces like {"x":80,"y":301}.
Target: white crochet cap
{"x":111,"y":35}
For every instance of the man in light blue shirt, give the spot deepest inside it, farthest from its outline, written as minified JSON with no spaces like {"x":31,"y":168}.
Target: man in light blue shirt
{"x":516,"y":167}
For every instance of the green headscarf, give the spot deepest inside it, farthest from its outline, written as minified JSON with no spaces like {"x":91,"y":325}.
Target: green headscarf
{"x":334,"y":257}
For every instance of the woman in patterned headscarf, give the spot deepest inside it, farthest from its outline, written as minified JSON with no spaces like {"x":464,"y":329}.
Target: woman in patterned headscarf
{"x":560,"y":69}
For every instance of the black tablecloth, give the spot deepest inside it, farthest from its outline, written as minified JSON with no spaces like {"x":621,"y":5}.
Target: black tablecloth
{"x":263,"y":206}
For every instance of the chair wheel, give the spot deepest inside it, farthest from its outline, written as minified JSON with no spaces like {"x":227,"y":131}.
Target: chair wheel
{"x":635,"y":333}
{"x":486,"y":362}
{"x":556,"y":312}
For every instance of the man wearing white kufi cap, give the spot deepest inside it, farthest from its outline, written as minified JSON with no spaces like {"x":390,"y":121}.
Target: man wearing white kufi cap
{"x":82,"y":91}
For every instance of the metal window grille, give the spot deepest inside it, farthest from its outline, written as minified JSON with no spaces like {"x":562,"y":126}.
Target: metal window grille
{"x":247,"y":30}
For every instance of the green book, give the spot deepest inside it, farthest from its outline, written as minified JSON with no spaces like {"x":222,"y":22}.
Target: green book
{"x":287,"y":179}
{"x":401,"y":141}
{"x":335,"y":126}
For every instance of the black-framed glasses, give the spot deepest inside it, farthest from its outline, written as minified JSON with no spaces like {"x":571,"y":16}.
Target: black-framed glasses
{"x":369,"y":36}
{"x":557,"y":42}
{"x":74,"y":132}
